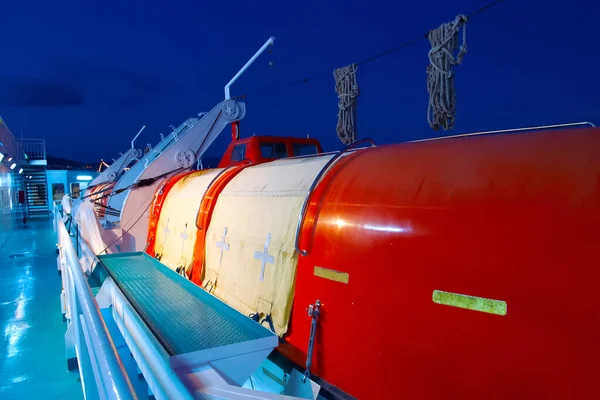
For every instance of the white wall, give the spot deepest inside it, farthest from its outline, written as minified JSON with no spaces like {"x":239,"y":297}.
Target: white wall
{"x":55,"y":177}
{"x":66,"y":177}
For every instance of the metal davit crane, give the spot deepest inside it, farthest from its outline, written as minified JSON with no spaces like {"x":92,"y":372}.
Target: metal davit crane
{"x":127,"y":202}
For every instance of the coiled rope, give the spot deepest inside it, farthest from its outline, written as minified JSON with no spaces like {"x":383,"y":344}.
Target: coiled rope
{"x":347,"y":90}
{"x":440,"y":78}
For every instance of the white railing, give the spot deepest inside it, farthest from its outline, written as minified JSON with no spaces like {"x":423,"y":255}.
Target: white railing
{"x":35,"y":149}
{"x":102,"y":372}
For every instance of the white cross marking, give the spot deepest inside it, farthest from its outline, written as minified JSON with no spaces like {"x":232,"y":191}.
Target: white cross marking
{"x":222,"y":245}
{"x":264,"y":257}
{"x":166,"y":231}
{"x":183,"y":237}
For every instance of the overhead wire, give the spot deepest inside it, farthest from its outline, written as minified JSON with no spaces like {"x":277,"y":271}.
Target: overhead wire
{"x":367,"y":60}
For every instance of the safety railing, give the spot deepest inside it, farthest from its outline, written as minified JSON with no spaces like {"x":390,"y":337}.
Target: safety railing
{"x":33,"y":149}
{"x":101,"y":370}
{"x":512,"y":130}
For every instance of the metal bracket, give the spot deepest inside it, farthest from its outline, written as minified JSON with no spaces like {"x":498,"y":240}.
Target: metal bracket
{"x":314,"y":310}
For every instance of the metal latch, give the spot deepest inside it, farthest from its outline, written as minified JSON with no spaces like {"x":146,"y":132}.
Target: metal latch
{"x":314,"y":310}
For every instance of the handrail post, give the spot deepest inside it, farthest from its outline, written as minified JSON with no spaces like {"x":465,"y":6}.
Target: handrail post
{"x":512,"y":130}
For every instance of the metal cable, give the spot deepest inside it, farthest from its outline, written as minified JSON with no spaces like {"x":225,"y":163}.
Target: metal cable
{"x":324,"y":75}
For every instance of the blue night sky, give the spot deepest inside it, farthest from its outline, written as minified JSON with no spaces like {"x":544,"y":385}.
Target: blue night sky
{"x":87,"y":77}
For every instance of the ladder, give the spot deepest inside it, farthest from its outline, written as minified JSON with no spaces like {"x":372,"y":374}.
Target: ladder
{"x":33,"y":182}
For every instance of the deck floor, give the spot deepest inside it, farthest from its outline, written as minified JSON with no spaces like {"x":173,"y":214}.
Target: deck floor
{"x":32,"y":356}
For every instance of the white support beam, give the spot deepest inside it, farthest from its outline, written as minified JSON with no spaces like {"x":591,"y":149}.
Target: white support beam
{"x":245,"y":67}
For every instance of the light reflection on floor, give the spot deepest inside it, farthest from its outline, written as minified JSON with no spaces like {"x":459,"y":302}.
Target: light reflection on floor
{"x":32,"y":355}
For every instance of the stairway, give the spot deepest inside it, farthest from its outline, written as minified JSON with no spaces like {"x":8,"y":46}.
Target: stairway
{"x":34,"y":183}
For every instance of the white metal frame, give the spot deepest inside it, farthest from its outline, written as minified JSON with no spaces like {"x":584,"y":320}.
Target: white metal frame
{"x":151,"y":357}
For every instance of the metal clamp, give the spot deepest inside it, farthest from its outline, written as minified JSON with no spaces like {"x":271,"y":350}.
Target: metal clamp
{"x":322,"y":173}
{"x":215,"y":179}
{"x":314,"y":310}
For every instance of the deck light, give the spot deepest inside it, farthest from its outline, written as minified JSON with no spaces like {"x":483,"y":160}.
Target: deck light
{"x":13,"y":165}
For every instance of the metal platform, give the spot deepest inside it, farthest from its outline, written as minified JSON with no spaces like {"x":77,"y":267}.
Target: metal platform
{"x":213,"y":349}
{"x":182,"y":316}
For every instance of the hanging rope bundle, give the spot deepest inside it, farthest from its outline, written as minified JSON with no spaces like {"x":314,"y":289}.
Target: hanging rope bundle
{"x":440,"y":78}
{"x":347,"y":90}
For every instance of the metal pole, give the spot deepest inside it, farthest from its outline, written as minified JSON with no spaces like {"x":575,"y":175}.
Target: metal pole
{"x":245,"y":67}
{"x":136,"y":136}
{"x":77,"y":240}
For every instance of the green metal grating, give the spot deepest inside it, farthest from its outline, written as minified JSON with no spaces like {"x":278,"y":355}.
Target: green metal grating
{"x":182,"y":316}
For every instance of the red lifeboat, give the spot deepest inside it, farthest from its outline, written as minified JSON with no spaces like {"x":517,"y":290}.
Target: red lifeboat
{"x":462,"y":268}
{"x":511,"y":218}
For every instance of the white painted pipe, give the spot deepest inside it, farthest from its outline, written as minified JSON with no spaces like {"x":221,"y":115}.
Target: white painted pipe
{"x":136,"y":136}
{"x":151,"y":357}
{"x":245,"y":67}
{"x":110,"y":365}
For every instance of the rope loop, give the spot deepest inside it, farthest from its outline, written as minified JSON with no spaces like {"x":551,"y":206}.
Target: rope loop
{"x":347,"y":90}
{"x":444,"y":40}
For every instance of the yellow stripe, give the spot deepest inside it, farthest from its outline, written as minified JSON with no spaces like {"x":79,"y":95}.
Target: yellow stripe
{"x":332,"y":275}
{"x":489,"y":306}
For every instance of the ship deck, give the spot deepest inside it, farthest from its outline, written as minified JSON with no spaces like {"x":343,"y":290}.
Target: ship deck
{"x":32,"y":359}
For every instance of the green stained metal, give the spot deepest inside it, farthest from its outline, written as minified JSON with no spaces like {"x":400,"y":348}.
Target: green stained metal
{"x":481,"y":304}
